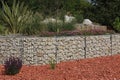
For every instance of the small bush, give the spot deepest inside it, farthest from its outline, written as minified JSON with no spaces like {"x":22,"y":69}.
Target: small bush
{"x":79,"y":18}
{"x":33,"y":26}
{"x":58,"y":27}
{"x":12,"y":65}
{"x":68,"y":26}
{"x":52,"y":63}
{"x":116,"y":24}
{"x":54,"y":27}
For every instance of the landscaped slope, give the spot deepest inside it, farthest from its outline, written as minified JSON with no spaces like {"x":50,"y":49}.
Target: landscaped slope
{"x":103,"y":68}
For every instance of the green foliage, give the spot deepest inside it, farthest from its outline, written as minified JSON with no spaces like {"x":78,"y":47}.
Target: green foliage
{"x":2,"y":29}
{"x":68,"y":26}
{"x":116,"y":24}
{"x":58,"y":27}
{"x":79,"y":18}
{"x":33,"y":26}
{"x":15,"y":17}
{"x":51,"y":27}
{"x":12,"y":65}
{"x":54,"y":27}
{"x":104,"y":11}
{"x":52,"y":63}
{"x":56,"y":7}
{"x":76,"y":6}
{"x":0,"y":16}
{"x":19,"y":19}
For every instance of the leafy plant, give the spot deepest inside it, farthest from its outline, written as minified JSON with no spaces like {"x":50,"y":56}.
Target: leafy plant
{"x":33,"y":27}
{"x":103,"y":11}
{"x":15,"y":17}
{"x":0,"y":16}
{"x":68,"y":26}
{"x":51,"y":27}
{"x":57,"y":27}
{"x":12,"y":65}
{"x":79,"y":18}
{"x":52,"y":63}
{"x":2,"y":29}
{"x":116,"y":24}
{"x":54,"y":27}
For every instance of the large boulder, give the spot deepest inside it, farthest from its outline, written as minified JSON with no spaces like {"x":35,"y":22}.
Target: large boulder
{"x":87,"y":22}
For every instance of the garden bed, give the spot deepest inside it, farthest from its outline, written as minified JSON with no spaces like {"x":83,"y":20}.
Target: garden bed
{"x":103,"y":68}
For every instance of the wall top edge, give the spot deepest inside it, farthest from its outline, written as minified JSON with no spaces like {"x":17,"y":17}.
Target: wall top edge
{"x":9,"y":36}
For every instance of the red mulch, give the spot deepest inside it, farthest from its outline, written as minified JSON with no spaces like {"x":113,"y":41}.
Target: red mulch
{"x":103,"y":68}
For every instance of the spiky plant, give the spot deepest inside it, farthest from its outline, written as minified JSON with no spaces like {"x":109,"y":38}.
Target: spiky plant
{"x":16,"y":16}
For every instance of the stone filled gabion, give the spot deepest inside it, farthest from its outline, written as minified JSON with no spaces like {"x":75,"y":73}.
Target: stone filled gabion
{"x":39,"y":50}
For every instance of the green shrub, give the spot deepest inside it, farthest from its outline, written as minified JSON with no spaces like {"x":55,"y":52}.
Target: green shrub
{"x":116,"y":24}
{"x":79,"y":18}
{"x":68,"y":26}
{"x":33,"y":26}
{"x":54,"y":27}
{"x":12,"y":65}
{"x":57,"y":27}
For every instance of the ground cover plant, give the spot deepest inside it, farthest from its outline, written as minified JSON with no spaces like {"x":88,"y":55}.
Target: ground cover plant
{"x":102,"y":68}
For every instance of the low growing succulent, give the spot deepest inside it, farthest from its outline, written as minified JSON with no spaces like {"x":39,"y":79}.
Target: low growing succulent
{"x":12,"y":65}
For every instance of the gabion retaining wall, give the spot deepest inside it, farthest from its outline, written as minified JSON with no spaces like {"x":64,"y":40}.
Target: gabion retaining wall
{"x":40,"y":50}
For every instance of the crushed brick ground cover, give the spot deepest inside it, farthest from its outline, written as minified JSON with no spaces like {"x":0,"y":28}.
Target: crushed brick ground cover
{"x":102,"y":68}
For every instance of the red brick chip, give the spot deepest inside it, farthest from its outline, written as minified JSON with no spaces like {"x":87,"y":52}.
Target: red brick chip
{"x":102,"y":68}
